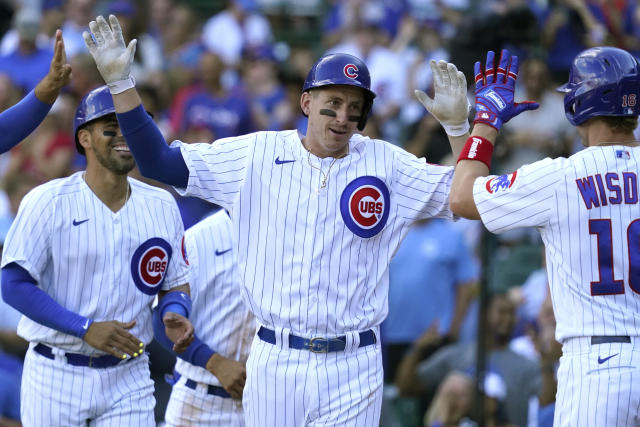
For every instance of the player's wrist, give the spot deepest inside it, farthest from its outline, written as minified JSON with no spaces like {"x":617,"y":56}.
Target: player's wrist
{"x":477,"y":148}
{"x":456,"y":129}
{"x":119,"y":86}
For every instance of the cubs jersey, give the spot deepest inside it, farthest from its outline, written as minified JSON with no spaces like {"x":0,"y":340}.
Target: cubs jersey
{"x":101,"y":264}
{"x":586,"y":209}
{"x":220,"y":317}
{"x":315,"y":236}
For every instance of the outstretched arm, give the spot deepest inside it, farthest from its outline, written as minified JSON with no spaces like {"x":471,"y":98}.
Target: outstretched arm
{"x":494,"y":106}
{"x":154,"y":157}
{"x":17,"y":122}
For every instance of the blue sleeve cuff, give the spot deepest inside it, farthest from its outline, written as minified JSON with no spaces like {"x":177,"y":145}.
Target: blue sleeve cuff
{"x":170,"y":302}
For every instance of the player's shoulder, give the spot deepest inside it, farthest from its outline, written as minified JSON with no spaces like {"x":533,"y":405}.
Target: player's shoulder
{"x":147,"y":191}
{"x":219,"y":220}
{"x":50,"y":191}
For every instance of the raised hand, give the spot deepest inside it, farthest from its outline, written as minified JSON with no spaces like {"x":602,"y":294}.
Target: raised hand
{"x":112,"y":57}
{"x":231,"y":373}
{"x":114,"y":338}
{"x":495,"y":91}
{"x":449,"y":105}
{"x":59,"y":75}
{"x":179,"y":330}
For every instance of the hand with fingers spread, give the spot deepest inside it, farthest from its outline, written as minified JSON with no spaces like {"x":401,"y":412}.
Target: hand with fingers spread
{"x":231,"y":373}
{"x":449,"y":105}
{"x":179,"y":330}
{"x":495,"y":91}
{"x":114,"y":338}
{"x":59,"y":75}
{"x":113,"y":58}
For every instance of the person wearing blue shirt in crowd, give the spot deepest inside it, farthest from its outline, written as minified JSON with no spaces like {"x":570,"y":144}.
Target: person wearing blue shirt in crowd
{"x":430,"y":282}
{"x":17,"y":122}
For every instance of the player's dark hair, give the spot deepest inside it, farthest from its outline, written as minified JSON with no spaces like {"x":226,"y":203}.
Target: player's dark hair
{"x":622,"y":124}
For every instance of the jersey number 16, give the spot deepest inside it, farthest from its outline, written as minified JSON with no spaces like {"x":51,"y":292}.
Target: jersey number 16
{"x":608,"y":285}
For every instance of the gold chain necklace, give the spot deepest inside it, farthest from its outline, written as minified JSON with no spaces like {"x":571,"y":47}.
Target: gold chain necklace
{"x":324,"y":176}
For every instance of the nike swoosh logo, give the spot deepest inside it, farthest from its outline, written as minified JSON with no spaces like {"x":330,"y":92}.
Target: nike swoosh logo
{"x":218,"y":252}
{"x":281,"y":162}
{"x":601,"y":360}
{"x":79,"y":222}
{"x":86,"y":324}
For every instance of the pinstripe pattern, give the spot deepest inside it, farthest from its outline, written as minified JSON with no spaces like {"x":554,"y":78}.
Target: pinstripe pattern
{"x":305,"y":271}
{"x":55,"y":393}
{"x":220,"y":319}
{"x":547,"y":195}
{"x":87,"y":269}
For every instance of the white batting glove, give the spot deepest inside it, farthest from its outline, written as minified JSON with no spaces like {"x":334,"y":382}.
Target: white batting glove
{"x":113,"y":58}
{"x":450,"y":105}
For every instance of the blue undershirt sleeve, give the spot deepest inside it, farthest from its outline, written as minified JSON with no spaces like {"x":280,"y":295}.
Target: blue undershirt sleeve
{"x":198,"y":353}
{"x":17,"y":122}
{"x":21,"y":292}
{"x":154,"y":157}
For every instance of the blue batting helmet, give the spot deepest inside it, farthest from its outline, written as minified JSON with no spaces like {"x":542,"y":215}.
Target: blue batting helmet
{"x":95,"y":104}
{"x":603,"y":81}
{"x":342,"y":69}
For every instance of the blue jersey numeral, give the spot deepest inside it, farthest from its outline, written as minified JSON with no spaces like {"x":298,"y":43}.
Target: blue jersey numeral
{"x":608,"y":285}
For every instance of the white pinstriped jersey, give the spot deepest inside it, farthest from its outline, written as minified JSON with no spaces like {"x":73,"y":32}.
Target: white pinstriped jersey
{"x":586,"y":209}
{"x":101,"y":264}
{"x":220,"y":317}
{"x":315,"y":260}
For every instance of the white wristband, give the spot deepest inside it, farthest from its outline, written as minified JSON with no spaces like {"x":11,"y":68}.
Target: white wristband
{"x":454,"y":130}
{"x":121,"y":85}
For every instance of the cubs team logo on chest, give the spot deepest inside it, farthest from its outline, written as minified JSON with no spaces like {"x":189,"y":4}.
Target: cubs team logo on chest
{"x":149,"y":264}
{"x":364,"y":206}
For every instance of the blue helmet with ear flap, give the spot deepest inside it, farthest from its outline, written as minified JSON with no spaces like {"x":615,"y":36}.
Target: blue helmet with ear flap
{"x":342,"y":69}
{"x":603,"y":81}
{"x":95,"y":104}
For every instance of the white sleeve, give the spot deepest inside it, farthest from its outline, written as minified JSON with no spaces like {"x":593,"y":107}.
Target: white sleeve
{"x":421,"y":189}
{"x":28,"y":241}
{"x":523,"y":198}
{"x":177,"y":270}
{"x":217,"y":170}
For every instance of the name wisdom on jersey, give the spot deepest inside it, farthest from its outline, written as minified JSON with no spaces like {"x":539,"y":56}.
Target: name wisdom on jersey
{"x":613,"y":188}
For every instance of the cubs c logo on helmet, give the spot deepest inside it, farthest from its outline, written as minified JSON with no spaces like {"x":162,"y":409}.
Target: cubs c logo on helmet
{"x":149,"y":264}
{"x":500,"y":183}
{"x":364,"y":206}
{"x":351,"y":71}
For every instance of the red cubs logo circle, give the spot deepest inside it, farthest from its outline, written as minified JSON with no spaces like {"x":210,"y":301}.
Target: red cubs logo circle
{"x":149,"y":265}
{"x":364,"y":206}
{"x":351,"y":71}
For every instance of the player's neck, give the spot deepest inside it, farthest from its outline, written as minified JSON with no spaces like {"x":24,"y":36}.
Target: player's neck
{"x":113,"y":190}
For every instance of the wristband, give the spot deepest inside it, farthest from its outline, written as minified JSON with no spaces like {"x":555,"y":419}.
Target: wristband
{"x":173,"y":299}
{"x":120,"y":86}
{"x":456,"y":130}
{"x":477,"y":148}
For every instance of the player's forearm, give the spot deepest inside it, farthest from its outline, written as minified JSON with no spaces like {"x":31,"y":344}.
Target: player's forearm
{"x":154,"y":157}
{"x":17,"y":122}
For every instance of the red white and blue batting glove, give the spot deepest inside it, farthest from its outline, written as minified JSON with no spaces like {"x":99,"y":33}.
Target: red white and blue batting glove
{"x":495,"y":91}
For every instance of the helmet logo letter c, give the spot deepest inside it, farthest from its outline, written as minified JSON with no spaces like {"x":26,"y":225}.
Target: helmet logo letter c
{"x":351,"y":71}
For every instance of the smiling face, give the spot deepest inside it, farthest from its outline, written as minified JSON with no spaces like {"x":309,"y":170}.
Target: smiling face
{"x":333,"y":113}
{"x":103,"y":143}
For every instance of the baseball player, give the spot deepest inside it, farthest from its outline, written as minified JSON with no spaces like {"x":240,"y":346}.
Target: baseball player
{"x":208,"y":392}
{"x":83,"y":261}
{"x":586,"y":209}
{"x":17,"y":122}
{"x":316,"y":220}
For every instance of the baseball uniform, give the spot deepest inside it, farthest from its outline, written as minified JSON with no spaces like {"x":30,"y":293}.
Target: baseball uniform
{"x":586,"y":209}
{"x":314,"y":240}
{"x":103,"y":265}
{"x":222,"y":321}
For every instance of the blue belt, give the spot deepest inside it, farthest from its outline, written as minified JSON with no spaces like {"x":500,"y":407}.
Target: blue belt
{"x":215,"y":390}
{"x":77,"y":359}
{"x":605,"y":339}
{"x":317,"y":345}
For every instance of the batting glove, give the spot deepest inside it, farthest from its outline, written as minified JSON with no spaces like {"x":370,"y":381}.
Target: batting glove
{"x":495,"y":91}
{"x":449,"y":105}
{"x":113,"y":58}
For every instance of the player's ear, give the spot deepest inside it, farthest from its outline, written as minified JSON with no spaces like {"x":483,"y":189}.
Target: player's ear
{"x":305,"y":100}
{"x":84,"y":138}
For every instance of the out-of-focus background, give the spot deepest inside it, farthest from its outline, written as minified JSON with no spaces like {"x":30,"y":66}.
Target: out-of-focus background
{"x":209,"y":69}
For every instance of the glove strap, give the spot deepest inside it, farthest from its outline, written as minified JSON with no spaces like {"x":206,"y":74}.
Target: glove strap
{"x":477,"y":148}
{"x":456,"y":130}
{"x":120,"y":86}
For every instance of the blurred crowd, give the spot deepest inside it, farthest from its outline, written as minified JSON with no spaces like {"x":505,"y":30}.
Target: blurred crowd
{"x":212,"y":69}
